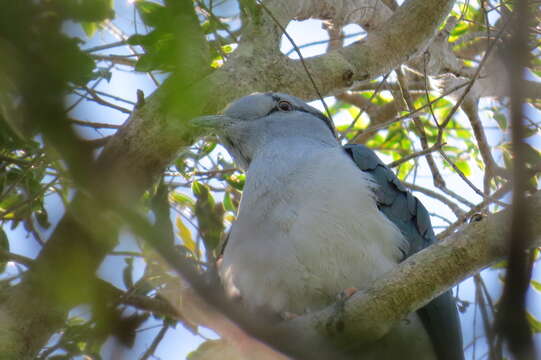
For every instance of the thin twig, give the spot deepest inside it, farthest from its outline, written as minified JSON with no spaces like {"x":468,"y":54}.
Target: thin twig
{"x":417,"y":154}
{"x":106,"y":46}
{"x":436,"y":175}
{"x":474,"y":210}
{"x":117,"y":59}
{"x":157,"y":340}
{"x":301,"y":58}
{"x":385,"y":124}
{"x":451,"y":205}
{"x":467,"y":181}
{"x":95,"y":125}
{"x":470,"y":83}
{"x":5,"y":255}
{"x":95,"y":97}
{"x":362,"y":110}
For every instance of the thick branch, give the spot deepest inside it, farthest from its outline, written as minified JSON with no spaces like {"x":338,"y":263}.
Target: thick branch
{"x":381,"y":51}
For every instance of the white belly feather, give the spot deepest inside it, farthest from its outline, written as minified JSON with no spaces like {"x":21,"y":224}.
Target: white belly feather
{"x":294,"y":249}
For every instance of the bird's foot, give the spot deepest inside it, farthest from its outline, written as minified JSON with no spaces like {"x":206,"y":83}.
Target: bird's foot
{"x":347,"y":293}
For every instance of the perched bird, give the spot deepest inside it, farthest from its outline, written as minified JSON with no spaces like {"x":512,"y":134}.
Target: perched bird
{"x":316,"y":218}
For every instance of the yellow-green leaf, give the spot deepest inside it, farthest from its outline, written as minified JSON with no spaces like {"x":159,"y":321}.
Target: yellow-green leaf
{"x":185,"y":234}
{"x":464,"y":167}
{"x":536,"y":285}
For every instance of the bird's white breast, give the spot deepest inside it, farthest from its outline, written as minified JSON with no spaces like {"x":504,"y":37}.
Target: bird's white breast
{"x":308,"y":227}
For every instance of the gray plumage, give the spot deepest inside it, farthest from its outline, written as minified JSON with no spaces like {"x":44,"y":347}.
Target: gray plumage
{"x":316,"y":218}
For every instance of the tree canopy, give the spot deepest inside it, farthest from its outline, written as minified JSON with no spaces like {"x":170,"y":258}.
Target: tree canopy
{"x":114,"y":208}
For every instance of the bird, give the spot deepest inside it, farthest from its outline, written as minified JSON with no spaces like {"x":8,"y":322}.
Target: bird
{"x":316,"y":217}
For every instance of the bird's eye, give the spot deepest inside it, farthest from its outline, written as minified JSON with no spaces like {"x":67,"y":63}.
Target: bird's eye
{"x":284,"y":105}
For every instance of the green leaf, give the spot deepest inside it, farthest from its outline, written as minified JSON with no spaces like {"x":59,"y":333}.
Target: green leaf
{"x":151,"y":13}
{"x":136,"y":39}
{"x":76,"y":320}
{"x":4,"y":246}
{"x":464,"y":166}
{"x":536,"y":285}
{"x":228,"y":203}
{"x":90,"y":28}
{"x":501,"y":120}
{"x":200,"y":190}
{"x":236,"y":180}
{"x":463,"y":134}
{"x":146,"y":63}
{"x":535,"y":324}
{"x":499,"y":265}
{"x":182,"y":199}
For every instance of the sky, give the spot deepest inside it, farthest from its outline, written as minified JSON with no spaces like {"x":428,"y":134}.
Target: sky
{"x":179,"y":342}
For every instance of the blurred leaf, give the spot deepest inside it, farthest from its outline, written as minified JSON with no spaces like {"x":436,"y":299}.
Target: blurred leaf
{"x":182,"y":199}
{"x":151,"y":13}
{"x":236,"y":180}
{"x":535,"y":324}
{"x":215,"y":349}
{"x":85,"y":10}
{"x":532,"y":155}
{"x":536,"y":285}
{"x":501,"y":120}
{"x":125,"y":328}
{"x":4,"y":247}
{"x":463,"y":134}
{"x":464,"y":166}
{"x":209,"y":216}
{"x":404,"y":170}
{"x":76,"y":320}
{"x":228,"y":203}
{"x":499,"y":265}
{"x":42,"y":217}
{"x":186,"y":235}
{"x":200,"y":190}
{"x":89,"y":28}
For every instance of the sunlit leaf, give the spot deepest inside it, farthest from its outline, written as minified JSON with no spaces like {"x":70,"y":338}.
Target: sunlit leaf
{"x":236,"y":180}
{"x":182,"y":199}
{"x":185,"y":235}
{"x":535,"y":324}
{"x":464,"y":166}
{"x":536,"y":285}
{"x":89,"y":28}
{"x":463,"y":134}
{"x":501,"y":120}
{"x":228,"y":203}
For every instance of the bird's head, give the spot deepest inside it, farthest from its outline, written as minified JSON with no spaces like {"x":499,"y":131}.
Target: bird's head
{"x":256,"y":120}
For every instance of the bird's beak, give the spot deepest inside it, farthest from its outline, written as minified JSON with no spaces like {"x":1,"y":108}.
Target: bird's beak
{"x":216,"y":122}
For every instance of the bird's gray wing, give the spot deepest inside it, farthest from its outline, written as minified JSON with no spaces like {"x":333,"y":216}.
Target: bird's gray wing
{"x":440,"y":316}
